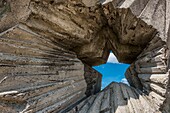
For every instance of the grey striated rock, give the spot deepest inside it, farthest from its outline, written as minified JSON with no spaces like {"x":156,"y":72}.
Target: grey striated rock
{"x":47,"y":49}
{"x":117,"y":98}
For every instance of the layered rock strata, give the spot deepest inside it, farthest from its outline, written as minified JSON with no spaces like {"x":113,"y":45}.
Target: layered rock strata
{"x":39,"y":76}
{"x":48,"y":47}
{"x":117,"y":98}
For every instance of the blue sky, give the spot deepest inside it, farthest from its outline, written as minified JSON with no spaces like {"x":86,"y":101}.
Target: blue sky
{"x":112,"y":71}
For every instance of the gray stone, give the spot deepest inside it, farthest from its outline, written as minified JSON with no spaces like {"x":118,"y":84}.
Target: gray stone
{"x":48,"y":48}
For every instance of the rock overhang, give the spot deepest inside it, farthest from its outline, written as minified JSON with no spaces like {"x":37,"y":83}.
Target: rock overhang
{"x":91,"y":31}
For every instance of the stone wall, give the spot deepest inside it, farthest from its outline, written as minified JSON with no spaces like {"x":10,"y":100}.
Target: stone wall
{"x":47,"y":49}
{"x":93,"y":80}
{"x":37,"y":75}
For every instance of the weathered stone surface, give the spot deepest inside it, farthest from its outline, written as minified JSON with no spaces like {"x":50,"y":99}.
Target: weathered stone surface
{"x":151,"y":66}
{"x":47,"y":49}
{"x":93,"y":80}
{"x":13,"y":12}
{"x":117,"y":98}
{"x":39,"y":76}
{"x":73,"y":25}
{"x":131,"y":33}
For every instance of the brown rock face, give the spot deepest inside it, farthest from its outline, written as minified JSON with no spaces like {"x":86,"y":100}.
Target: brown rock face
{"x":47,"y":49}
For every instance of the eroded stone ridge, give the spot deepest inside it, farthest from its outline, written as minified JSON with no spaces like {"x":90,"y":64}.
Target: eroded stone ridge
{"x":47,"y":48}
{"x":117,"y":98}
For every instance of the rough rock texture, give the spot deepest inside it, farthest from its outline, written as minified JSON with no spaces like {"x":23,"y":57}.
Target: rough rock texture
{"x":47,"y":48}
{"x":117,"y":98}
{"x":93,"y":80}
{"x":12,"y":12}
{"x":39,"y":76}
{"x":150,"y":71}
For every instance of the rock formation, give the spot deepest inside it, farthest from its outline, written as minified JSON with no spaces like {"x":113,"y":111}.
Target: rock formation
{"x":47,"y":48}
{"x":119,"y":98}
